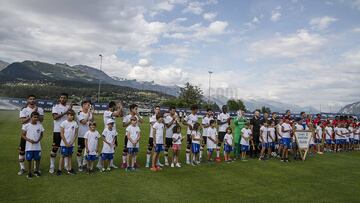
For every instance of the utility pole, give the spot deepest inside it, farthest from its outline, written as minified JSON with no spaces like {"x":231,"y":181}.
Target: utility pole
{"x":210,"y":72}
{"x":100,"y":79}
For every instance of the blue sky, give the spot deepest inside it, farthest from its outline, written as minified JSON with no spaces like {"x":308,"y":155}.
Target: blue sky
{"x":295,"y":51}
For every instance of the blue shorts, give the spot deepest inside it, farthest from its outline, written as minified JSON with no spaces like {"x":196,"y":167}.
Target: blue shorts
{"x":244,"y":148}
{"x":286,"y":142}
{"x":343,"y":141}
{"x":91,"y":157}
{"x":210,"y":150}
{"x":328,"y":141}
{"x":356,"y":141}
{"x":351,"y":140}
{"x":133,"y":150}
{"x":33,"y":155}
{"x":195,"y":148}
{"x":66,"y":151}
{"x":107,"y":156}
{"x":280,"y":141}
{"x":270,"y":145}
{"x":159,"y":148}
{"x":317,"y":141}
{"x":228,"y":148}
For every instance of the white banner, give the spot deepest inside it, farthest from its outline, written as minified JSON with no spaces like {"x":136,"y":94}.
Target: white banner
{"x":303,"y":139}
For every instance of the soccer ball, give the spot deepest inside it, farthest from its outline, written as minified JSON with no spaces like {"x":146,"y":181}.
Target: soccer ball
{"x":273,"y":154}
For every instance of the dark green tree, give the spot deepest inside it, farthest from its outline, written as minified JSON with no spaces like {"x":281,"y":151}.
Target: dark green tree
{"x":191,"y":94}
{"x":234,"y":105}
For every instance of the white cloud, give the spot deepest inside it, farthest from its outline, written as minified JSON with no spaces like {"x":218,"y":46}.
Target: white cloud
{"x":194,"y":7}
{"x":164,"y":75}
{"x":209,"y":16}
{"x":294,"y":45}
{"x":165,"y":5}
{"x":356,"y":4}
{"x":352,"y":57}
{"x":357,"y":29}
{"x":144,"y":62}
{"x":250,"y":60}
{"x":275,"y":16}
{"x":322,"y":23}
{"x":197,"y":32}
{"x":256,"y":20}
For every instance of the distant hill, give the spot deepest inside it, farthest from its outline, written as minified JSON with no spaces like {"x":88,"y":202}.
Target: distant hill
{"x":353,"y":108}
{"x":275,"y":106}
{"x":45,"y":72}
{"x":3,"y":65}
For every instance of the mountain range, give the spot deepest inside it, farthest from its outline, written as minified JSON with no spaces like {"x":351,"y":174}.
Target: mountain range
{"x":353,"y":108}
{"x":39,"y":71}
{"x":3,"y":65}
{"x":275,"y":106}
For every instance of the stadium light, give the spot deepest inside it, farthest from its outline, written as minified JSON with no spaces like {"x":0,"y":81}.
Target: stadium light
{"x":100,"y":78}
{"x":210,"y":72}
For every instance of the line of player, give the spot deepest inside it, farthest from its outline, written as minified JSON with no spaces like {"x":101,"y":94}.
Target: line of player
{"x":276,"y":137}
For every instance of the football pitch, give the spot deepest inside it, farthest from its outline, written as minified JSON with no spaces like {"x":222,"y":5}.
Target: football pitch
{"x":323,"y":178}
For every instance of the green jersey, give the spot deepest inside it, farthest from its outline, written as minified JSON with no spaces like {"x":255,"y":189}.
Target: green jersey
{"x":239,"y":123}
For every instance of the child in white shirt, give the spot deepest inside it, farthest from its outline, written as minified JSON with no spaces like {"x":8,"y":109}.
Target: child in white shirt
{"x":177,"y":138}
{"x":228,"y":144}
{"x":33,"y":132}
{"x":91,"y":144}
{"x":133,"y":135}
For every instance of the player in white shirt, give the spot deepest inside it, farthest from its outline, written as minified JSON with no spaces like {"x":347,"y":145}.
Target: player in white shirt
{"x":114,"y":111}
{"x":245,"y":139}
{"x":228,"y":144}
{"x":346,"y":134}
{"x":328,"y":136}
{"x":133,"y":135}
{"x":32,"y":133}
{"x":223,"y":122}
{"x":189,"y":121}
{"x":109,"y":135}
{"x":126,"y":122}
{"x":59,"y":112}
{"x":263,"y":139}
{"x":68,"y":133}
{"x":211,"y":143}
{"x":319,"y":137}
{"x":152,"y":121}
{"x":351,"y":135}
{"x":286,"y":133}
{"x":91,"y":145}
{"x":205,"y":126}
{"x":357,"y":136}
{"x":171,"y":119}
{"x":25,"y":118}
{"x":177,"y":138}
{"x":84,"y":117}
{"x":338,"y":137}
{"x":158,"y":135}
{"x":195,"y":144}
{"x":271,"y":138}
{"x":279,"y":138}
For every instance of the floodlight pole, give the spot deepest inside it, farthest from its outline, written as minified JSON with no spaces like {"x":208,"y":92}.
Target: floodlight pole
{"x":210,"y":72}
{"x":100,"y":78}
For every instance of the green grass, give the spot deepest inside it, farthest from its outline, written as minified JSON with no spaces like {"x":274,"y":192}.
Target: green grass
{"x":328,"y":178}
